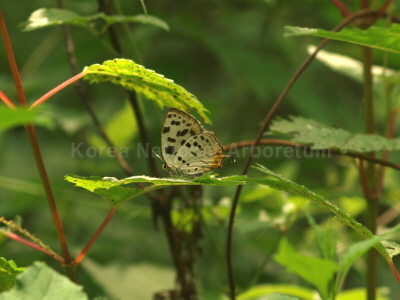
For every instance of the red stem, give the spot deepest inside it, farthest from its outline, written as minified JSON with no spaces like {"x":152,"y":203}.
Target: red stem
{"x":11,"y":60}
{"x":7,"y":101}
{"x":394,"y":271}
{"x":34,"y":142}
{"x":30,"y":129}
{"x":339,"y":4}
{"x":57,"y":88}
{"x":85,"y":250}
{"x":17,"y":238}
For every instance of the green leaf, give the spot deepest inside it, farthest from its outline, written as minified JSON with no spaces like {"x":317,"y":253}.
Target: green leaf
{"x":357,"y":250}
{"x":45,"y":17}
{"x":386,"y":39}
{"x":318,"y":136}
{"x":326,"y":240}
{"x":39,"y":282}
{"x":8,"y":274}
{"x":319,"y":272}
{"x":143,"y":18}
{"x":112,"y":190}
{"x":280,"y":183}
{"x":14,"y":117}
{"x":146,"y":83}
{"x":260,"y":291}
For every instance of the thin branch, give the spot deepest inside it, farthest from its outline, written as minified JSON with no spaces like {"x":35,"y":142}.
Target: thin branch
{"x":11,"y":60}
{"x":17,"y":238}
{"x":358,"y":155}
{"x":342,"y":7}
{"x":266,"y":123}
{"x":85,"y":250}
{"x":34,"y":143}
{"x":7,"y":101}
{"x":57,"y":89}
{"x":30,"y":129}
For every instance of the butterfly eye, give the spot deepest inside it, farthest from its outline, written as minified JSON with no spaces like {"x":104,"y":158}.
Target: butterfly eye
{"x":164,"y":166}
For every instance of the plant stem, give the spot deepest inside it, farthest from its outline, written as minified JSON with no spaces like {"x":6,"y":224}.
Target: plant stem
{"x":266,"y":123}
{"x":34,"y":142}
{"x":342,"y":7}
{"x":7,"y":101}
{"x":85,"y":250}
{"x":57,"y":89}
{"x":17,"y":238}
{"x":30,"y":129}
{"x":371,"y":174}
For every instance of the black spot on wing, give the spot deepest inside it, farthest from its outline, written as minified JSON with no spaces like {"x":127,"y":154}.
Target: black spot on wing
{"x":182,"y":132}
{"x":166,"y":129}
{"x":170,"y":149}
{"x":169,"y":139}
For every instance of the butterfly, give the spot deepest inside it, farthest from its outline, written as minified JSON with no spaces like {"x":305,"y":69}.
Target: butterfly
{"x":187,"y":148}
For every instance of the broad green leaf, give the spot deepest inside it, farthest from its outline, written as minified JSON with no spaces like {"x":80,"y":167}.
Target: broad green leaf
{"x":121,"y":128}
{"x":146,"y":83}
{"x":355,"y":251}
{"x":260,"y":291}
{"x":40,"y":282}
{"x":113,"y":190}
{"x":8,"y":274}
{"x":319,"y":272}
{"x":318,"y":136}
{"x":280,"y":183}
{"x":14,"y":117}
{"x":45,"y":17}
{"x":386,"y":39}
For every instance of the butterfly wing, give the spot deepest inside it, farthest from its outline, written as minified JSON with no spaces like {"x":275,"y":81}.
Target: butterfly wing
{"x":200,"y":154}
{"x":178,"y":128}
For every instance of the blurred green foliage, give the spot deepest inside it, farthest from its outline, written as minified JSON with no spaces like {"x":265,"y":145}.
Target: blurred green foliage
{"x":233,"y":57}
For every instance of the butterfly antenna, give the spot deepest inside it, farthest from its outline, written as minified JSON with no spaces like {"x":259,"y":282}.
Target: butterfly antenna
{"x":158,"y":155}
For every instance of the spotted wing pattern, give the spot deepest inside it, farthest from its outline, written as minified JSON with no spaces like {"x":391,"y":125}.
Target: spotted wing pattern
{"x":187,"y":148}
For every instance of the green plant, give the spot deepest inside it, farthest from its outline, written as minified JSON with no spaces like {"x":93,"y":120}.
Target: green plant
{"x":272,"y":205}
